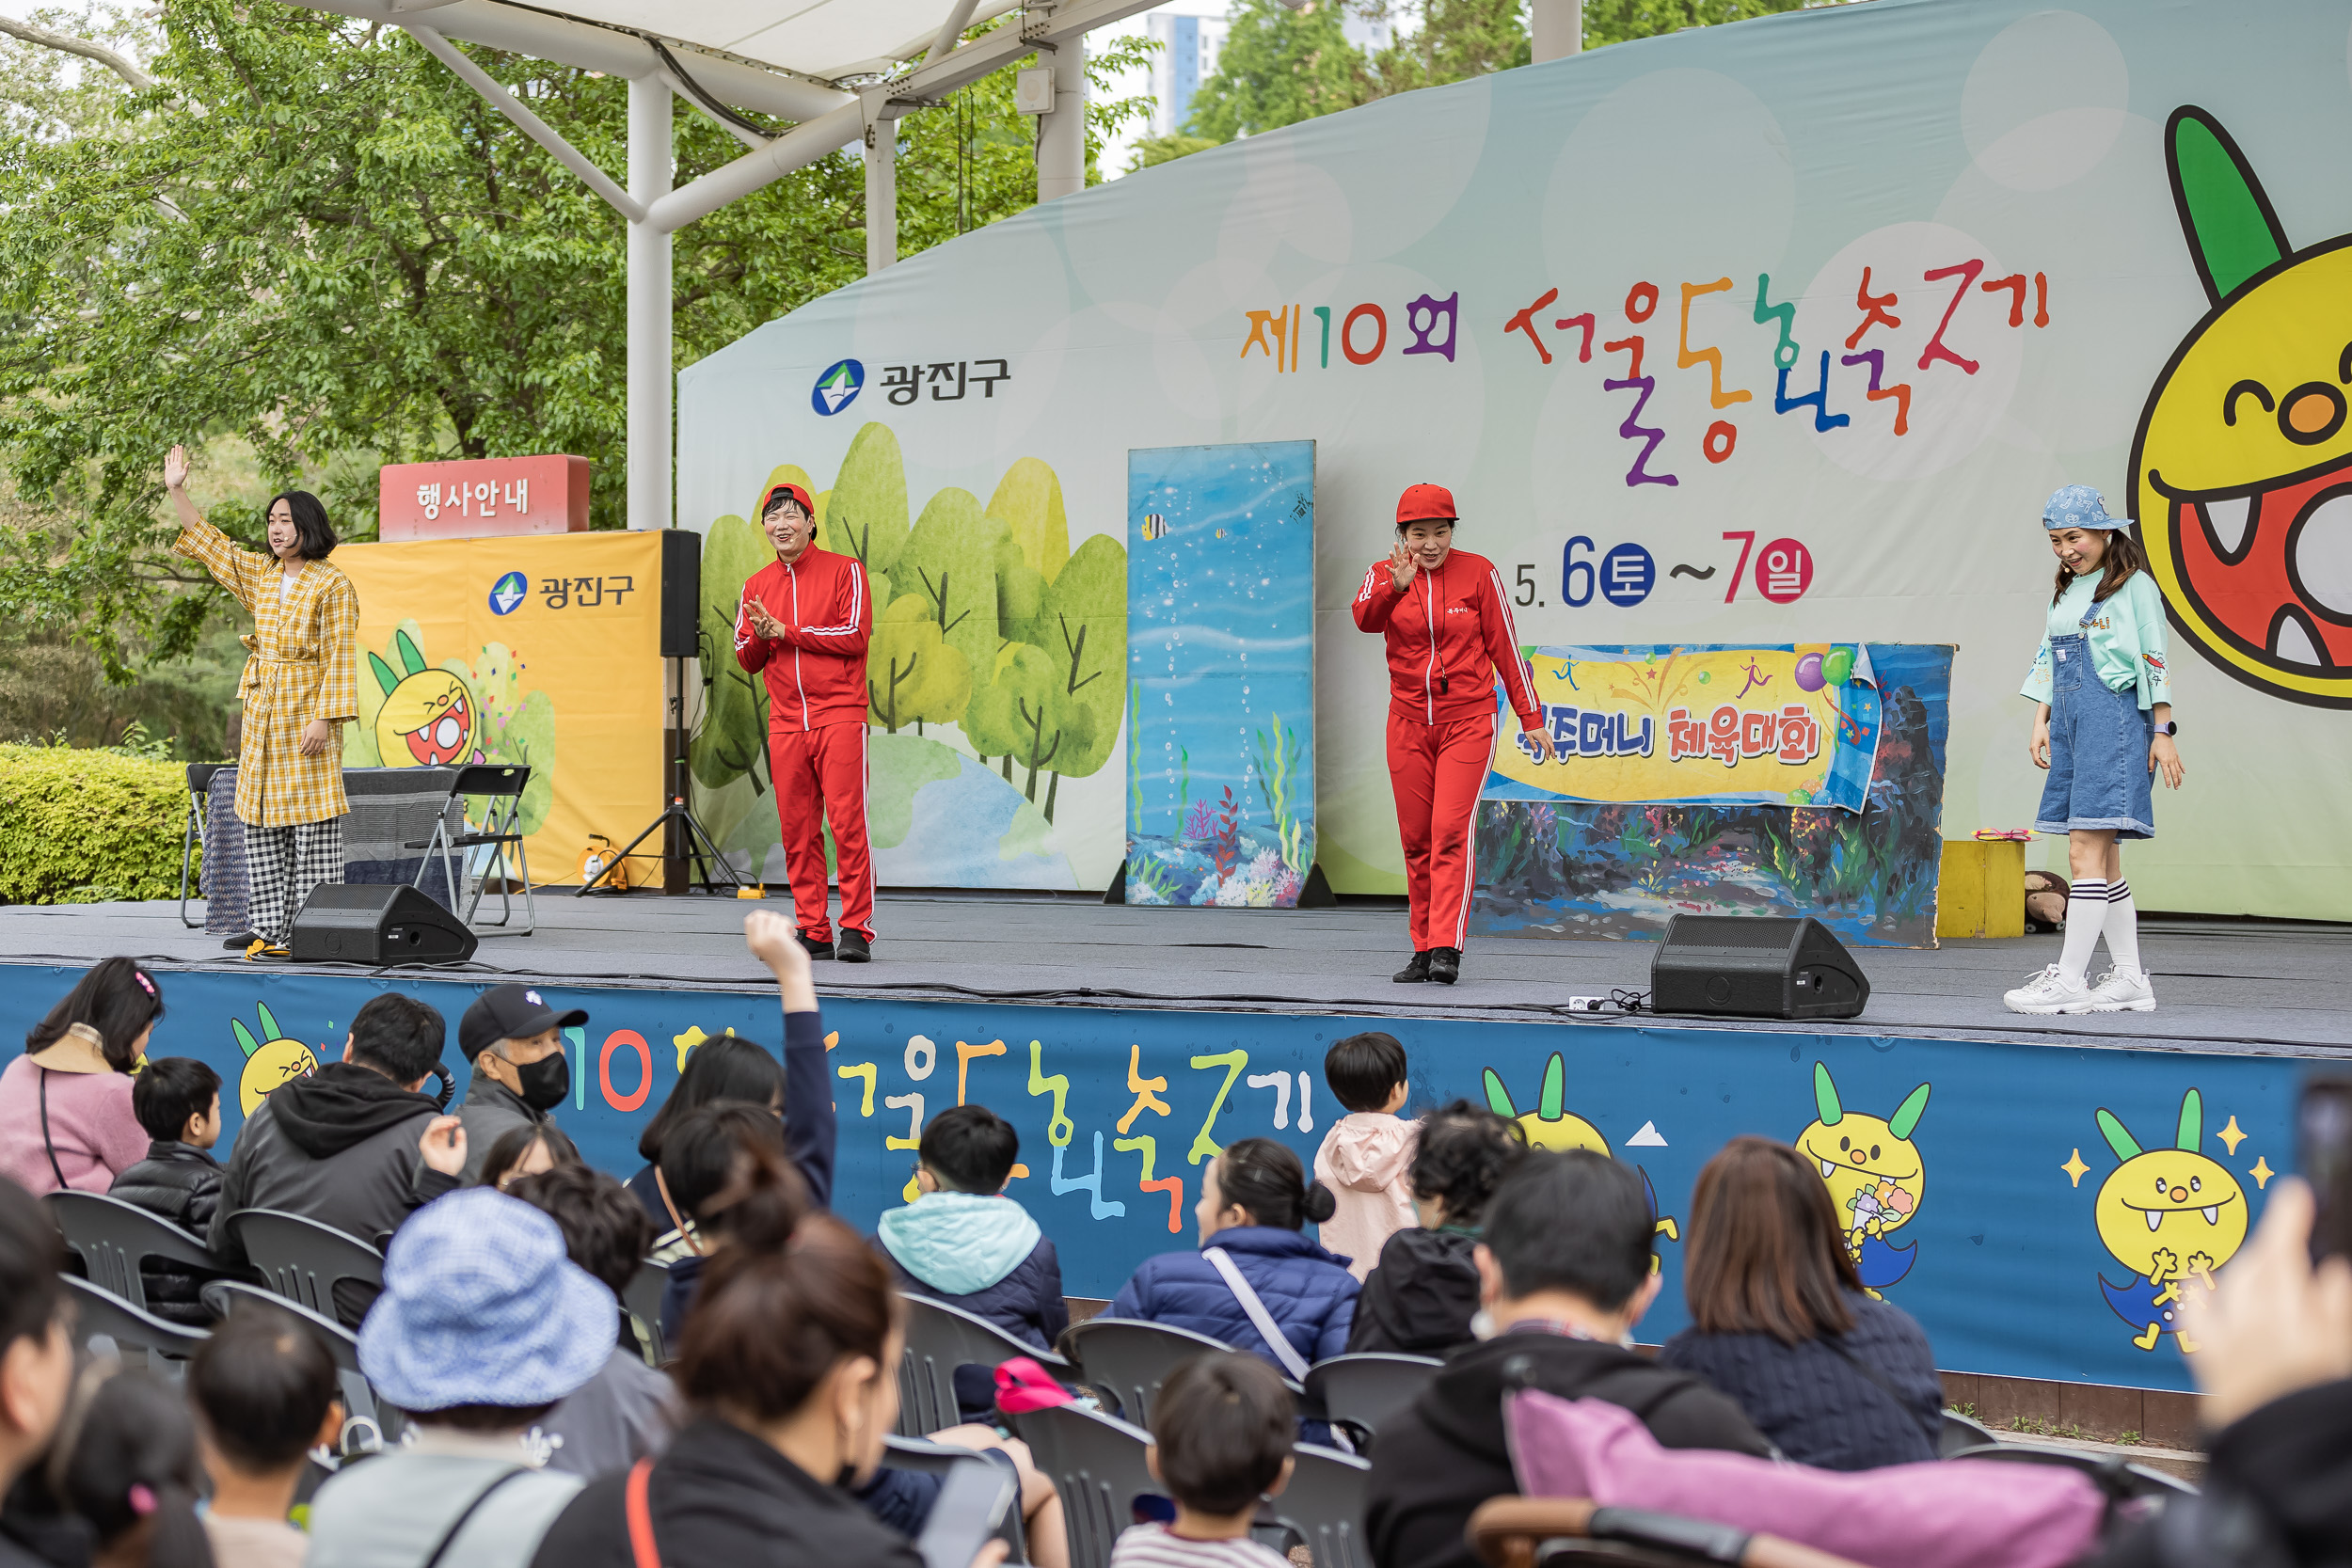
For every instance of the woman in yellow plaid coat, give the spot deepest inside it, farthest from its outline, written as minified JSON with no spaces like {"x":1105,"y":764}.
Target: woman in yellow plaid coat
{"x":298,"y":688}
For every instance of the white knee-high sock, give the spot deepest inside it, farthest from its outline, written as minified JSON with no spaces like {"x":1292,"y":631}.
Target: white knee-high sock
{"x":2122,"y":927}
{"x":2085,"y":916}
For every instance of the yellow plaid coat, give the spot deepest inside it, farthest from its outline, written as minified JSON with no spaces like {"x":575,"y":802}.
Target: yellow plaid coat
{"x":300,"y":666}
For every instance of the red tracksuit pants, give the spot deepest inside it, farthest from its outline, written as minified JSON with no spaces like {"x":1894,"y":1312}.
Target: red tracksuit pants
{"x":819,"y":776}
{"x":1436,"y":771}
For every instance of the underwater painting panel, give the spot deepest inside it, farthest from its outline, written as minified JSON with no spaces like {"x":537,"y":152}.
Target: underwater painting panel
{"x":1220,"y":662}
{"x":1588,"y":869}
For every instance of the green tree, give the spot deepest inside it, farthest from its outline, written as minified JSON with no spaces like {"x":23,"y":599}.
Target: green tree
{"x":733,"y":741}
{"x":1277,"y":67}
{"x":1082,"y":627}
{"x":1609,"y":21}
{"x":950,"y":564}
{"x":1152,"y":152}
{"x":910,"y":673}
{"x":865,"y":511}
{"x":1456,"y":40}
{"x":1031,"y":717}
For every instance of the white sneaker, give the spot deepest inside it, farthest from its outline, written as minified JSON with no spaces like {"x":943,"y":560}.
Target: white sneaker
{"x":2049,"y":991}
{"x":2123,"y":991}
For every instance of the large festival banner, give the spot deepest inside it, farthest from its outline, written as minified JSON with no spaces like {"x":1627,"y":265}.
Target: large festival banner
{"x":1771,"y":335}
{"x":541,"y":651}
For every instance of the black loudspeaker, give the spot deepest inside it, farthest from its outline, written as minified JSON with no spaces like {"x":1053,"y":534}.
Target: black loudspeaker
{"x":377,"y":923}
{"x":1755,"y":966}
{"x":681,"y":593}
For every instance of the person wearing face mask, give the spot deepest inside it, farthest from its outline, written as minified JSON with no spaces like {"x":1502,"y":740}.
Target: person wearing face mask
{"x":299,"y":688}
{"x":804,"y":626}
{"x":1447,"y":624}
{"x":520,"y":1071}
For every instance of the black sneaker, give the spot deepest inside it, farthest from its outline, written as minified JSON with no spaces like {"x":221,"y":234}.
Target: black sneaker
{"x":1415,"y":973}
{"x":1445,"y":965}
{"x":242,"y":941}
{"x":817,"y":948}
{"x":853,"y":948}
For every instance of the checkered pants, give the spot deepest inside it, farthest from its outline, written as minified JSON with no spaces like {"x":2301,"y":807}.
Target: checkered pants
{"x":283,"y":865}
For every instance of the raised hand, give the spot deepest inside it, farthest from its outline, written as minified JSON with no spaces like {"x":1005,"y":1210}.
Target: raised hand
{"x":443,"y":1145}
{"x":1401,"y":566}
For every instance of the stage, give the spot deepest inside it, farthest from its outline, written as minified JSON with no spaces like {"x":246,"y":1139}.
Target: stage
{"x":2241,"y":987}
{"x":1977,"y":1156}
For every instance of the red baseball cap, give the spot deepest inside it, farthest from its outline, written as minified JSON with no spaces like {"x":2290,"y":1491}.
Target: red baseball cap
{"x":775,"y":492}
{"x":1424,"y":503}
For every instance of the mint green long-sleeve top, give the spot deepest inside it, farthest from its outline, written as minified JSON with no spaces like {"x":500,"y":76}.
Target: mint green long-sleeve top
{"x":2126,"y":635}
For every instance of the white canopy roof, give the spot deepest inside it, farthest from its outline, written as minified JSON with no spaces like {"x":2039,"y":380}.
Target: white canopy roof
{"x":824,"y":39}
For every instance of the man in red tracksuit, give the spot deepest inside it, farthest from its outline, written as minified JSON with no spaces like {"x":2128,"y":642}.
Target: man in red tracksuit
{"x":804,"y":623}
{"x":1449,"y":631}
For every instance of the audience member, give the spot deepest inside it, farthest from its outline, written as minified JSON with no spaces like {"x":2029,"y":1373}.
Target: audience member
{"x":177,"y":1100}
{"x":1221,"y":1432}
{"x":485,"y":1325}
{"x":1257,"y":1283}
{"x":528,"y":1151}
{"x":355,"y":1145}
{"x":520,"y":1071}
{"x":126,"y":1466}
{"x":265,"y":1393}
{"x":65,"y":1105}
{"x":725,"y":1068}
{"x":964,"y":1243}
{"x":1565,"y":1271}
{"x":708,"y":1166}
{"x":1364,"y":1157}
{"x":1421,"y":1300}
{"x":36,"y":1372}
{"x":628,"y":1410}
{"x":789,"y":1369}
{"x":1834,"y":1377}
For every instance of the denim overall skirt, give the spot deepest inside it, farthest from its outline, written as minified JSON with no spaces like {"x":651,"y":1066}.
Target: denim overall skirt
{"x":2099,"y":741}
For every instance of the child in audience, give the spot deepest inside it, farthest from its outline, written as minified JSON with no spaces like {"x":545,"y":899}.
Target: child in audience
{"x":1422,"y":1298}
{"x":964,"y":1243}
{"x":128,"y":1470}
{"x":1221,"y":1440}
{"x":265,"y":1393}
{"x":521,"y":1151}
{"x":177,"y":1100}
{"x":1365,"y":1156}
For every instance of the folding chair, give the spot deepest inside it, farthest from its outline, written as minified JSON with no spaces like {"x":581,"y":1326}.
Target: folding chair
{"x":361,"y":1408}
{"x":304,"y":1260}
{"x":501,"y":826}
{"x":112,"y":1237}
{"x":1522,"y":1532}
{"x":1323,"y":1507}
{"x":1125,"y":1358}
{"x":199,"y":788}
{"x":937,"y":1459}
{"x":643,"y":1302}
{"x":1361,"y":1391}
{"x":100,"y":1312}
{"x":940,"y":1338}
{"x":2118,"y":1477}
{"x":1960,"y":1433}
{"x":1096,"y":1464}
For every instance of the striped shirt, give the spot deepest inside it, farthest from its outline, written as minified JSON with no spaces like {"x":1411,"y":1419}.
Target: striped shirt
{"x":1156,"y":1546}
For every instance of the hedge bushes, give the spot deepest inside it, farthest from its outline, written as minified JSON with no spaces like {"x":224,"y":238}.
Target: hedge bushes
{"x":80,"y":826}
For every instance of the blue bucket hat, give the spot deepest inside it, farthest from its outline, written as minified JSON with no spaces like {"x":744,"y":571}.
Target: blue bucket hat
{"x":481,"y":1306}
{"x":2078,"y":506}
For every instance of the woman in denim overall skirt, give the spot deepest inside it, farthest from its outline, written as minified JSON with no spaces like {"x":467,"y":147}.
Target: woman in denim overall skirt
{"x":2104,"y":730}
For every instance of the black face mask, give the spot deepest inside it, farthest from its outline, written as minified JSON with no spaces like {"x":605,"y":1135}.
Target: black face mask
{"x":545,"y":1082}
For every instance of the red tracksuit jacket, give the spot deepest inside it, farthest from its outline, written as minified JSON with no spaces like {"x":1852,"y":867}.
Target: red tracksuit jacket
{"x":1446,"y":635}
{"x":816,"y":671}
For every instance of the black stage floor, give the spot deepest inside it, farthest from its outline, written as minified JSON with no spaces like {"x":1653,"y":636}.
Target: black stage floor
{"x":2259,"y":989}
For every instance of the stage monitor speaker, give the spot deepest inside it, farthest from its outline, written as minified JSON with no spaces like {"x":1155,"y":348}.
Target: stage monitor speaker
{"x":1754,"y":966}
{"x":681,"y":593}
{"x":377,"y":923}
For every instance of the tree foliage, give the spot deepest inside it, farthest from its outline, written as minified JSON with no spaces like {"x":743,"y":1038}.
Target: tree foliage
{"x":1277,"y":67}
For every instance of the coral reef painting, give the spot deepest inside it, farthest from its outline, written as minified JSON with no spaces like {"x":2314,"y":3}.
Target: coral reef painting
{"x":1580,"y":869}
{"x":1221,"y":693}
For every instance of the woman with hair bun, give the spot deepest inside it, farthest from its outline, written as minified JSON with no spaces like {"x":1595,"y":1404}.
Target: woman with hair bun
{"x":126,"y":1464}
{"x":1257,"y":1282}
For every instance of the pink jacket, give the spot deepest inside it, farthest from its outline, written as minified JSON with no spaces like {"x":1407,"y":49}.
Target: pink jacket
{"x":1363,"y":1161}
{"x":91,"y":1126}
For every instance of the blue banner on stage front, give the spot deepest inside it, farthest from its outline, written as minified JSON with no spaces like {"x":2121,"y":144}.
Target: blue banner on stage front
{"x":2007,"y":1195}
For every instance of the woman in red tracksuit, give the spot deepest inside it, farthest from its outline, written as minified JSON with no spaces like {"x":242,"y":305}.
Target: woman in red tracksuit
{"x":804,"y":624}
{"x":1449,"y":631}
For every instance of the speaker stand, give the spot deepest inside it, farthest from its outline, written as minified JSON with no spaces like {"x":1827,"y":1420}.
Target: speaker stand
{"x":678,"y":817}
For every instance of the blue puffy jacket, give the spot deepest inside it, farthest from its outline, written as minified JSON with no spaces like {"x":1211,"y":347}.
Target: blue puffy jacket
{"x":983,"y":1254}
{"x":1309,"y":1291}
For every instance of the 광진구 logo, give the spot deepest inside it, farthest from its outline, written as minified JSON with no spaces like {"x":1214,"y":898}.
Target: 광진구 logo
{"x":837,"y":388}
{"x":508,"y":593}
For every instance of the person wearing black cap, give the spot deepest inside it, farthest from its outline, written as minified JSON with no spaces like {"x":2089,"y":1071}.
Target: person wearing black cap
{"x":521,"y":1071}
{"x":1447,"y":623}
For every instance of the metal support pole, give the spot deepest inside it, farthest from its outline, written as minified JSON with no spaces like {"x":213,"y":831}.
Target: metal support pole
{"x":882,"y":193}
{"x":1061,"y":136}
{"x":650,"y":377}
{"x":1558,"y":29}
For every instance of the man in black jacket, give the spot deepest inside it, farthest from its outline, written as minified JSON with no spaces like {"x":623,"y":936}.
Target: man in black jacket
{"x":1565,"y":1273}
{"x":355,"y":1145}
{"x":520,"y":1073}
